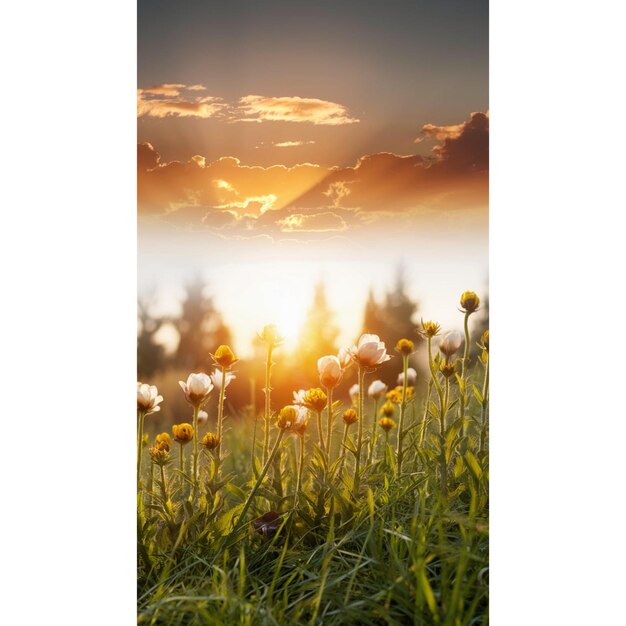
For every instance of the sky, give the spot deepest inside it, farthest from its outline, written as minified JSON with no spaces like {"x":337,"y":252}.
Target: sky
{"x":284,"y":142}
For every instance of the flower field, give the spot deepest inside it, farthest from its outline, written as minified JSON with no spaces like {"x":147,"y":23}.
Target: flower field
{"x":368,"y":509}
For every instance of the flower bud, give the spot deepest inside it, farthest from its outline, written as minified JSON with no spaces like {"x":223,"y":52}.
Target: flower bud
{"x":386,"y":423}
{"x":405,"y":347}
{"x":210,"y":441}
{"x":377,"y":389}
{"x":350,"y":417}
{"x":387,"y":409}
{"x":450,"y":343}
{"x":148,"y":398}
{"x":411,"y":377}
{"x":448,"y":369}
{"x":197,"y":389}
{"x":469,"y":301}
{"x":270,"y":336}
{"x":164,"y":439}
{"x":314,"y":399}
{"x":225,"y":357}
{"x":183,"y":433}
{"x":330,"y":371}
{"x":159,"y":454}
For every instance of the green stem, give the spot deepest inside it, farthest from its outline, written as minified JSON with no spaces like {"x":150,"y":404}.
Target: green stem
{"x":374,"y":433}
{"x":343,"y":449}
{"x":259,"y":480}
{"x":140,"y":419}
{"x":319,"y":431}
{"x":300,"y":466}
{"x":220,"y":419}
{"x":266,"y":416}
{"x":357,"y":464}
{"x":423,"y":425}
{"x":164,"y":486}
{"x":399,"y":450}
{"x":329,"y":394}
{"x":483,"y":420}
{"x":464,"y":364}
{"x":254,"y":417}
{"x":196,"y":410}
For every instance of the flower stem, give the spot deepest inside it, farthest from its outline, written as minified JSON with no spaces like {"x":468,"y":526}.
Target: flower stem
{"x":423,"y":425}
{"x":254,"y":417}
{"x":319,"y":431}
{"x":399,"y":450}
{"x":181,"y":463}
{"x":140,"y":418}
{"x":343,"y":449}
{"x":329,"y":393}
{"x":267,"y":391}
{"x":373,"y":435}
{"x":164,"y":487}
{"x":300,"y":466}
{"x":483,"y":420}
{"x":357,"y":464}
{"x":196,"y":410}
{"x":220,"y":419}
{"x":464,"y":365}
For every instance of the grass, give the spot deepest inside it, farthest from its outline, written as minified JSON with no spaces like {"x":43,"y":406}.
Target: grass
{"x":403,"y":548}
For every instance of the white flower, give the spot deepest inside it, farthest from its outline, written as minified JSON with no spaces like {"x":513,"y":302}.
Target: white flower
{"x":411,"y":377}
{"x":197,"y":388}
{"x":148,"y":398}
{"x":203,"y":417}
{"x":370,"y":352}
{"x":377,"y":389}
{"x":216,"y":378}
{"x":354,"y":393}
{"x":330,"y":371}
{"x":345,"y":357}
{"x":450,"y":342}
{"x":298,"y":397}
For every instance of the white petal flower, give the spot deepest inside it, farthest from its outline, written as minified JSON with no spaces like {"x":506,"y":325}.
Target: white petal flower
{"x":148,"y":398}
{"x":377,"y":389}
{"x":330,"y":371}
{"x":354,"y":393}
{"x":216,"y":379}
{"x":197,"y":388}
{"x":451,"y":342}
{"x":411,"y":377}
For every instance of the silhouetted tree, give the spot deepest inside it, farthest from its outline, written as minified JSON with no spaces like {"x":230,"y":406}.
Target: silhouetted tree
{"x":319,"y":334}
{"x":201,"y":328}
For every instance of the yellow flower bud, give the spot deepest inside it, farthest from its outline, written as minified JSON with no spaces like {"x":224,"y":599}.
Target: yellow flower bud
{"x":287,"y":417}
{"x":210,"y":441}
{"x":405,"y":347}
{"x":315,"y":399}
{"x":448,"y":369}
{"x":387,"y":409}
{"x":160,"y":453}
{"x":469,"y":301}
{"x":183,"y":433}
{"x":386,"y":423}
{"x":350,"y":417}
{"x":225,"y":357}
{"x":164,"y":439}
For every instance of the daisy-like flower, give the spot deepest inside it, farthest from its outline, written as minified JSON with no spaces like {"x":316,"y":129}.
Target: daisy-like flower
{"x":450,"y":343}
{"x":370,"y":352}
{"x":293,"y":419}
{"x":216,"y":379}
{"x":330,"y":371}
{"x":411,"y":377}
{"x":377,"y":390}
{"x":148,"y":398}
{"x":429,"y":329}
{"x":197,"y":388}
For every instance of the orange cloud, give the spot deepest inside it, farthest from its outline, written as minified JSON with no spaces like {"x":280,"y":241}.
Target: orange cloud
{"x":316,"y":222}
{"x":385,"y":187}
{"x":291,"y":144}
{"x":293,"y":109}
{"x":171,"y":100}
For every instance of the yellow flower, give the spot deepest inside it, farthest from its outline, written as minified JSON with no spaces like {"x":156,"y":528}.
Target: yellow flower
{"x":405,"y":347}
{"x":183,"y":433}
{"x":293,"y":418}
{"x":430,"y":329}
{"x":386,"y":423}
{"x":469,"y":301}
{"x":350,"y":417}
{"x":448,"y":369}
{"x":165,"y":439}
{"x":224,"y":357}
{"x":395,"y":395}
{"x":387,"y":409}
{"x":315,"y":399}
{"x":160,"y":453}
{"x":210,"y":441}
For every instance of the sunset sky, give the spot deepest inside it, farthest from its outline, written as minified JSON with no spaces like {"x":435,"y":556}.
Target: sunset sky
{"x":283,"y":142}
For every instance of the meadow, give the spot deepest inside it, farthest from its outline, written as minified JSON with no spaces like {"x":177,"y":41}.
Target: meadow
{"x":371,"y":511}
